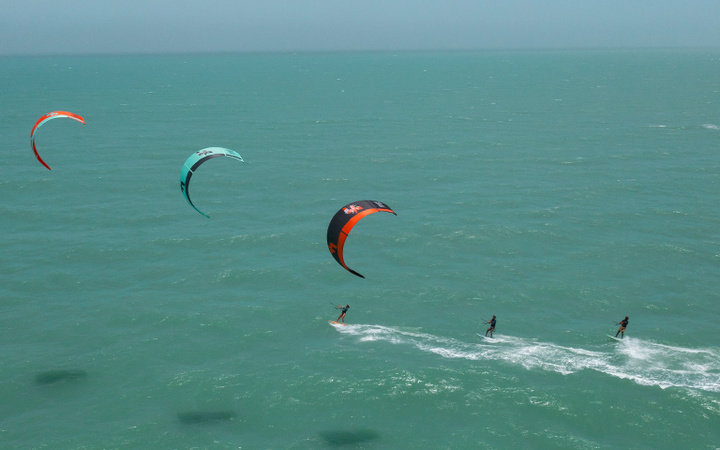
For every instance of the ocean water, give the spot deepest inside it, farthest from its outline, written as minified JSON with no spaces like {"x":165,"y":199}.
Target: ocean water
{"x":559,"y":191}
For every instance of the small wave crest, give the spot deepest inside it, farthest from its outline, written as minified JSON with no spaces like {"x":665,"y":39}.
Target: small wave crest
{"x":644,"y":362}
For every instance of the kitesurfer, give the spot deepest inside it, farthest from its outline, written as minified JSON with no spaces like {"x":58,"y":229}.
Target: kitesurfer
{"x":621,"y":331}
{"x":492,"y":326}
{"x":343,"y":310}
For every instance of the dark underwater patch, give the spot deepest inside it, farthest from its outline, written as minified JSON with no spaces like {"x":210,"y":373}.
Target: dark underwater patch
{"x":204,"y":417}
{"x":57,"y":376}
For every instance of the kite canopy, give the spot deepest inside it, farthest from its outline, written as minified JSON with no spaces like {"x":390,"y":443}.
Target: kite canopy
{"x":194,"y":161}
{"x":45,"y":118}
{"x":343,"y":221}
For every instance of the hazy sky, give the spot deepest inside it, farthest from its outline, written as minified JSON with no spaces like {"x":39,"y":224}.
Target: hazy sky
{"x":151,"y":26}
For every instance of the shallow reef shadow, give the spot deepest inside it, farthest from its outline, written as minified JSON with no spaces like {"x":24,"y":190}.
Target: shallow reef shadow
{"x":57,"y":376}
{"x":204,"y":417}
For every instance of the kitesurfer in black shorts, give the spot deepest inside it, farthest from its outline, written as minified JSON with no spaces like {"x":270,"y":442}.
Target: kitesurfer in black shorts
{"x":492,"y":326}
{"x":623,"y":323}
{"x":343,"y":310}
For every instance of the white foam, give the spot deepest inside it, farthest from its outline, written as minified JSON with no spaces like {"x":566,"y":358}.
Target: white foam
{"x":644,"y":362}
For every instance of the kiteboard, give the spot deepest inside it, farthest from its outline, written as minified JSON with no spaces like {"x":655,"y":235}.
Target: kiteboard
{"x":487,"y":338}
{"x":614,"y":338}
{"x":336,"y":323}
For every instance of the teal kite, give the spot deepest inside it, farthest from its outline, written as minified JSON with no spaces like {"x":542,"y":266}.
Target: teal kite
{"x":194,"y":161}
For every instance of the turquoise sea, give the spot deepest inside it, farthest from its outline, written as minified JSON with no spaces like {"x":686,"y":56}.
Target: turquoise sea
{"x":557,"y":190}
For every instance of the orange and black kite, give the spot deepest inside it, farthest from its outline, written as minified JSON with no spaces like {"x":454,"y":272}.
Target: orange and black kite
{"x":343,"y":221}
